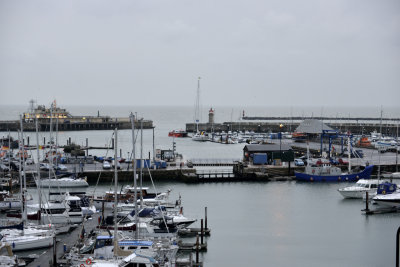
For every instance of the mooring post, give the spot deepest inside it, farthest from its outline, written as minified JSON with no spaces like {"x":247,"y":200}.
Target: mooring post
{"x":206,"y":218}
{"x":87,"y":147}
{"x":44,"y":141}
{"x":54,"y":251}
{"x":69,"y":139}
{"x":201,"y":231}
{"x":102,"y":212}
{"x":197,"y":249}
{"x":366,"y":202}
{"x":397,"y":248}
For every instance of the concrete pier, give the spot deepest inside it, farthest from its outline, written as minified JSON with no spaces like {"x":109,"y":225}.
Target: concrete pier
{"x":79,"y":125}
{"x":288,"y":126}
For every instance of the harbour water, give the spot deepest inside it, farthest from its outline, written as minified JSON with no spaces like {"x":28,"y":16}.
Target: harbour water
{"x":260,"y":224}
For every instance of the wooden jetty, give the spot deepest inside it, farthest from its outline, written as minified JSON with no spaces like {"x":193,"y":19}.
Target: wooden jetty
{"x":189,"y":246}
{"x":64,"y":241}
{"x":380,"y":211}
{"x":188,"y":232}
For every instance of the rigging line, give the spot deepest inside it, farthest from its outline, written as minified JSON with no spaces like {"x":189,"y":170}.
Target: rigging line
{"x":159,"y":202}
{"x":101,"y":169}
{"x":97,"y":183}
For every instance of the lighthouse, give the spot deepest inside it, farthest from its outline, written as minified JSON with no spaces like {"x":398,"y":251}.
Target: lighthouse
{"x":211,"y":116}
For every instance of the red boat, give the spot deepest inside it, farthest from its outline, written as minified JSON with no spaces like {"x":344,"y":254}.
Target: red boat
{"x":178,"y":133}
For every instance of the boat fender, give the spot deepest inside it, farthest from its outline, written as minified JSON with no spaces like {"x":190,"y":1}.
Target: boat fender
{"x":313,"y":171}
{"x":383,"y":192}
{"x":311,"y":179}
{"x":82,"y":265}
{"x":88,"y":261}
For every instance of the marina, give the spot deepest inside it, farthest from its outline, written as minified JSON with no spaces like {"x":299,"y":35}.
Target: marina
{"x":199,"y":134}
{"x":198,"y":181}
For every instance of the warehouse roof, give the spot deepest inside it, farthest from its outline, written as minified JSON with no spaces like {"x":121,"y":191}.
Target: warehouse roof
{"x":312,"y":126}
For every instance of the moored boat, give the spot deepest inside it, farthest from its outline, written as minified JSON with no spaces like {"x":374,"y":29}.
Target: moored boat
{"x":178,"y":133}
{"x":325,"y":172}
{"x":65,"y":182}
{"x":359,"y":189}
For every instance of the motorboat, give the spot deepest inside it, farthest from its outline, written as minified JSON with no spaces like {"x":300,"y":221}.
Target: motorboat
{"x":100,"y":249}
{"x":126,"y":195}
{"x":178,"y":133}
{"x":359,"y":189}
{"x":64,"y":182}
{"x":57,"y":213}
{"x":75,"y":199}
{"x":148,"y":214}
{"x":8,"y":202}
{"x":200,"y":137}
{"x":388,"y":195}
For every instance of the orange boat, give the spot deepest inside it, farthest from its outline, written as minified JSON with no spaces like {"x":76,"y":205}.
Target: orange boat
{"x":178,"y":133}
{"x":364,"y":142}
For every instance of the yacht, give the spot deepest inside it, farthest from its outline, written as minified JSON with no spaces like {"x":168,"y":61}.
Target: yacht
{"x":65,"y":182}
{"x":359,"y":189}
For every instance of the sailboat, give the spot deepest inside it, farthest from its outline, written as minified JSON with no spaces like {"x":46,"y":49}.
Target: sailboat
{"x":59,"y":182}
{"x":27,"y":238}
{"x":108,"y":250}
{"x":198,"y":136}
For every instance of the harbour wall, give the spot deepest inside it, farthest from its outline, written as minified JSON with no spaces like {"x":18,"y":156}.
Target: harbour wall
{"x":74,"y":125}
{"x":355,"y":128}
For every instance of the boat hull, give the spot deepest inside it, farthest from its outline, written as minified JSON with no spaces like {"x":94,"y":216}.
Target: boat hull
{"x":390,"y":200}
{"x":29,"y":242}
{"x":63,"y":183}
{"x":357,"y":193}
{"x":365,"y":174}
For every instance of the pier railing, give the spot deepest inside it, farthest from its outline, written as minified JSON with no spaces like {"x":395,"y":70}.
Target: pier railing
{"x":213,"y":162}
{"x":220,"y":174}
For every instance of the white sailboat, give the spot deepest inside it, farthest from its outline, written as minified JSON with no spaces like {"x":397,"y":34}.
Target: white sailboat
{"x":27,"y":238}
{"x":198,"y":136}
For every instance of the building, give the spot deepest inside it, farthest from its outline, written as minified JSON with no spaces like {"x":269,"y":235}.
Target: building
{"x":272,"y":153}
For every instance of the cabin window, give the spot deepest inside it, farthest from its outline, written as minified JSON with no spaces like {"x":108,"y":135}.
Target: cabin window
{"x":374,"y":186}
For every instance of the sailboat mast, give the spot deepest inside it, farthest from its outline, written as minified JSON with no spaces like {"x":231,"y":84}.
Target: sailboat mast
{"x":24,"y":174}
{"x":379,"y":148}
{"x":115,"y":193}
{"x":20,"y":176}
{"x":51,"y":144}
{"x":349,"y":153}
{"x":197,"y":108}
{"x":134,"y":175}
{"x":141,"y":163}
{"x":39,"y":183}
{"x":397,"y":144}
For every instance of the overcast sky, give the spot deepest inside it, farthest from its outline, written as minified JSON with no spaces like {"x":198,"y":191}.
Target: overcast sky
{"x":253,"y":52}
